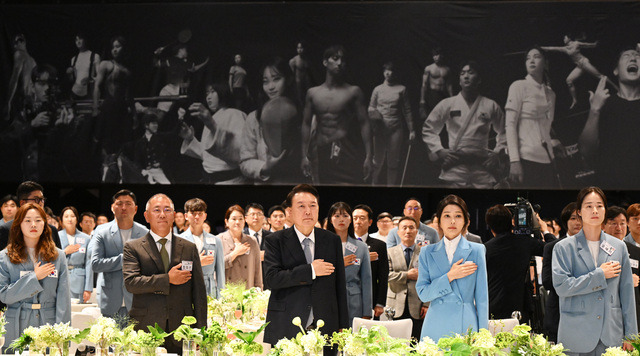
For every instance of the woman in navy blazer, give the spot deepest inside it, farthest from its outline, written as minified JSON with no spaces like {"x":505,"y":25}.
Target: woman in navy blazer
{"x":357,"y":266}
{"x":592,"y":275}
{"x":452,"y":275}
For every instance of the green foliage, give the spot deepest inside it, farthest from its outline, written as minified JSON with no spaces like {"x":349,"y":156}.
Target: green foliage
{"x":186,"y":332}
{"x":21,"y":343}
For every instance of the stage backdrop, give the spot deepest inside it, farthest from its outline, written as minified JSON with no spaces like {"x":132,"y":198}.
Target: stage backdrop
{"x":329,"y":93}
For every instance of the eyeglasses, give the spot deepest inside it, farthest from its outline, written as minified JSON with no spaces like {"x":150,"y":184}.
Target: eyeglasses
{"x":256,"y":215}
{"x":37,"y":200}
{"x":157,"y":211}
{"x":611,"y":223}
{"x":414,"y":208}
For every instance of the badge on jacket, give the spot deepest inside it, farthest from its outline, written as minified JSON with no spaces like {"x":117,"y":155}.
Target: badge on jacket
{"x":351,"y":247}
{"x":54,"y":274}
{"x":187,"y":265}
{"x":606,"y":247}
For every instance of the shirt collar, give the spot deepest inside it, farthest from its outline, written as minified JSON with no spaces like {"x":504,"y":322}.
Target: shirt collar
{"x":301,"y":236}
{"x":363,"y":237}
{"x":530,"y":79}
{"x":412,"y":247}
{"x":157,"y":237}
{"x":452,"y":243}
{"x":252,"y":233}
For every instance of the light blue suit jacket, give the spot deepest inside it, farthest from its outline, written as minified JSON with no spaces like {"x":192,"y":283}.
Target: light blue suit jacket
{"x":359,"y":284}
{"x":426,"y":234}
{"x":20,"y":290}
{"x":81,"y":276}
{"x":458,"y":305}
{"x":592,"y":308}
{"x":106,"y":258}
{"x":213,"y":273}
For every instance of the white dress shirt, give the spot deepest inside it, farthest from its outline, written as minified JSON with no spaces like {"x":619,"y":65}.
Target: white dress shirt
{"x":167,"y":245}
{"x":450,"y":246}
{"x":257,"y":237}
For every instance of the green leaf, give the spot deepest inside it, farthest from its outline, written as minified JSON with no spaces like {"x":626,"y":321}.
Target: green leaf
{"x":459,"y":349}
{"x":81,"y":336}
{"x":189,"y":320}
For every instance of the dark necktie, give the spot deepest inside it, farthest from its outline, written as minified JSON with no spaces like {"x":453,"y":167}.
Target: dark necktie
{"x":407,"y":257}
{"x":257,"y":236}
{"x":164,"y":254}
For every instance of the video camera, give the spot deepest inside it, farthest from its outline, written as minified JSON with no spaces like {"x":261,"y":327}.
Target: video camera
{"x":525,"y":221}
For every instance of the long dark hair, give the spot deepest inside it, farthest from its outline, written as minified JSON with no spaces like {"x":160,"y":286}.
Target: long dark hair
{"x":545,"y":75}
{"x":281,"y":67}
{"x":337,"y":208}
{"x":16,"y":249}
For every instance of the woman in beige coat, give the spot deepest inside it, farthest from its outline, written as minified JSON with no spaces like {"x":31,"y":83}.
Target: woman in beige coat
{"x":241,"y":251}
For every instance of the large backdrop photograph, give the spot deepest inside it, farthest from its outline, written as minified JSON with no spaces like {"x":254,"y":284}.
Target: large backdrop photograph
{"x":482,"y":95}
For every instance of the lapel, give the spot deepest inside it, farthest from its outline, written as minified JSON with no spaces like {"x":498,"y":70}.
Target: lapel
{"x":149,"y":245}
{"x":293,"y":246}
{"x":462,"y":251}
{"x":176,"y":250}
{"x":603,"y":256}
{"x":583,"y":250}
{"x":116,"y":238}
{"x":439,"y":254}
{"x":414,"y":257}
{"x":64,"y":240}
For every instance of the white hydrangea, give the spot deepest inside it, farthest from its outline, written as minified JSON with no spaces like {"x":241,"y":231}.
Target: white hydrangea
{"x":289,"y":348}
{"x":427,"y":347}
{"x":615,"y":351}
{"x":311,"y":343}
{"x":484,"y":339}
{"x":103,"y":331}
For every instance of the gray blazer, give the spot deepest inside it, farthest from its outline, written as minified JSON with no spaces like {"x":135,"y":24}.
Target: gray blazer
{"x":592,"y":308}
{"x":399,"y":286}
{"x":106,"y":258}
{"x":359,"y":284}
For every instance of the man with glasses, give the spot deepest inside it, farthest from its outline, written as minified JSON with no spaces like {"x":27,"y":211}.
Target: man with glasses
{"x":254,"y":216}
{"x":209,"y":246}
{"x":615,"y":222}
{"x":426,"y":235}
{"x":164,"y":274}
{"x":106,"y":247}
{"x":27,"y":192}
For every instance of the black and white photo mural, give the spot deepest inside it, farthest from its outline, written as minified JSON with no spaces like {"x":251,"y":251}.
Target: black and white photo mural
{"x":473,"y":95}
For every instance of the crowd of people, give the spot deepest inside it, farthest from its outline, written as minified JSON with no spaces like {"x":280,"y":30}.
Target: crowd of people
{"x":436,"y":273}
{"x":291,"y":131}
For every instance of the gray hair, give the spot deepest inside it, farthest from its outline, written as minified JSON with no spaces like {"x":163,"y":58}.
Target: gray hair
{"x":159,"y":195}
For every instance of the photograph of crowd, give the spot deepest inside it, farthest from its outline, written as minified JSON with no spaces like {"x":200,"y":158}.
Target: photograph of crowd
{"x":468,"y":95}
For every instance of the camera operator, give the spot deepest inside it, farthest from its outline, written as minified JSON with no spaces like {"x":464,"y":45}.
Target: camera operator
{"x":508,"y":257}
{"x":32,"y":132}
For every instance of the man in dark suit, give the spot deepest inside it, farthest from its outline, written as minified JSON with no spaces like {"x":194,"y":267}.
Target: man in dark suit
{"x":508,"y":257}
{"x":572,"y":223}
{"x":304,"y":268}
{"x":377,"y":254}
{"x":164,"y":274}
{"x":27,"y":192}
{"x":254,"y":216}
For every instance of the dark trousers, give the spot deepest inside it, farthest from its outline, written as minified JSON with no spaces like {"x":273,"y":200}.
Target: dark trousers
{"x":417,"y":323}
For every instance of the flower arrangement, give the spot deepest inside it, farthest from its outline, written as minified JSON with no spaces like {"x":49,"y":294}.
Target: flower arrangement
{"x":236,"y":302}
{"x":521,"y":342}
{"x":125,"y":340}
{"x":618,"y":351}
{"x":427,"y":347}
{"x":244,"y":343}
{"x":103,"y":333}
{"x":213,"y":339}
{"x":58,"y":336}
{"x":189,"y":336}
{"x":374,"y":341}
{"x":306,"y":342}
{"x":149,"y":341}
{"x":30,"y":338}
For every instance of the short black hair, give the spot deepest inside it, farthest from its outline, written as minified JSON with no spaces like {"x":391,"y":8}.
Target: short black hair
{"x":413,"y":198}
{"x":472,"y":65}
{"x":613,"y":212}
{"x":25,"y":188}
{"x":410,"y":219}
{"x":302,"y":188}
{"x":89,"y":214}
{"x":254,"y":206}
{"x":195,"y":204}
{"x":332,"y":50}
{"x":366,"y":208}
{"x":7,"y":198}
{"x":498,"y":218}
{"x":123,"y":192}
{"x":224,"y":93}
{"x":274,"y":209}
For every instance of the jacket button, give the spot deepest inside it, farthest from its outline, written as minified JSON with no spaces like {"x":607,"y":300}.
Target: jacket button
{"x":598,"y":317}
{"x":440,"y":302}
{"x":599,"y":298}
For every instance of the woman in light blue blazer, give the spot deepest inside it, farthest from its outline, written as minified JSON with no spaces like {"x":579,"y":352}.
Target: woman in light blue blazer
{"x":75,"y":244}
{"x":452,"y":275}
{"x":34,"y":280}
{"x":591,"y":273}
{"x":357,"y":265}
{"x":209,"y":246}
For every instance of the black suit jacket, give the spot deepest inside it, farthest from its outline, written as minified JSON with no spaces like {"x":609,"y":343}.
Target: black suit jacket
{"x":634,"y":254}
{"x":155,"y":300}
{"x":552,"y":305}
{"x":508,"y":258}
{"x":5,"y":228}
{"x":265,"y":233}
{"x":294,"y":292}
{"x":379,"y":270}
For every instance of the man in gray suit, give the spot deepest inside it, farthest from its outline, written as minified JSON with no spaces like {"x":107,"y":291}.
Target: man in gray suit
{"x":403,"y":273}
{"x":107,"y":244}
